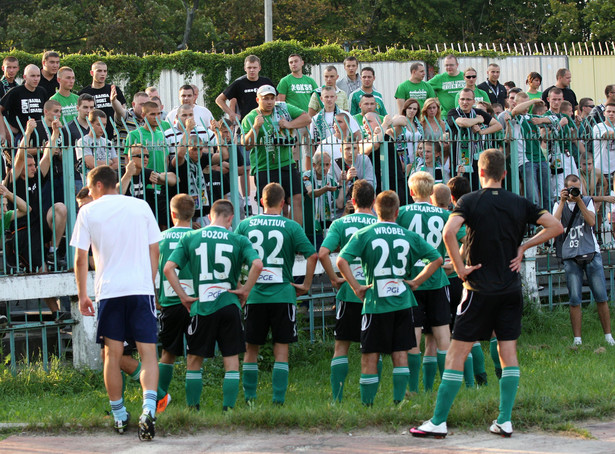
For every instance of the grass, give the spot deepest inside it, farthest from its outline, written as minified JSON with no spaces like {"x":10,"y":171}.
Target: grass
{"x":560,"y":386}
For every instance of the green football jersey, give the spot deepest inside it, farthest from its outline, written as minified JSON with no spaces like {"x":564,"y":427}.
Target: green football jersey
{"x":420,"y":91}
{"x":387,"y":252}
{"x":214,"y":256}
{"x":166,"y":294}
{"x":446,"y":88}
{"x":428,"y":222}
{"x":339,"y":234}
{"x":69,"y":106}
{"x":277,"y":240}
{"x":298,"y":91}
{"x":155,"y":143}
{"x":355,"y":99}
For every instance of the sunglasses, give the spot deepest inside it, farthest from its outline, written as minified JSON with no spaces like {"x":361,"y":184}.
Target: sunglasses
{"x":470,"y":77}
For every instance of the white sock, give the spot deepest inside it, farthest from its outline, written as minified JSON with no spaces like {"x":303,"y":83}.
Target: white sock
{"x":608,"y":337}
{"x":577,"y":340}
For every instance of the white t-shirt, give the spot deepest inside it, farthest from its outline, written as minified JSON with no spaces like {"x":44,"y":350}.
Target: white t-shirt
{"x":604,"y":149}
{"x":120,"y":230}
{"x":202,"y":116}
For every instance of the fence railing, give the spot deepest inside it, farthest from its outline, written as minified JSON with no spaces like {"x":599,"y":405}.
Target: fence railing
{"x":47,"y":166}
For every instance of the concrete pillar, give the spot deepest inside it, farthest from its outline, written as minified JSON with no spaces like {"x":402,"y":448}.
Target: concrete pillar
{"x":86,"y":352}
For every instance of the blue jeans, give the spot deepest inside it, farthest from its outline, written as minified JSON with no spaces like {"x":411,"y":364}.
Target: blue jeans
{"x":595,"y":277}
{"x":537,"y":183}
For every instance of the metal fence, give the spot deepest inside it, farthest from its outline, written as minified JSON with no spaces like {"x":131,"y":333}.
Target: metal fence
{"x":48,"y":165}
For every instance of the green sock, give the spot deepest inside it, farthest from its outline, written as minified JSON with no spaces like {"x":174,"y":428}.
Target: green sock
{"x":400,"y":383}
{"x":441,"y":356}
{"x":250,"y":380}
{"x":478,"y":357}
{"x":194,"y":386}
{"x":279,"y":379}
{"x":165,"y":373}
{"x":339,"y":371}
{"x":468,"y":371}
{"x":509,"y":384}
{"x":136,"y":375}
{"x":430,"y":367}
{"x":414,"y":364}
{"x":123,"y":383}
{"x":369,"y":388}
{"x":493,"y":350}
{"x":451,"y":382}
{"x":230,"y":388}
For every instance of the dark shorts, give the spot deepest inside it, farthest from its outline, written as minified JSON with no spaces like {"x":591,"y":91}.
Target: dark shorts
{"x":223,"y":326}
{"x":174,"y":321}
{"x":434,"y":308}
{"x":130,"y":348}
{"x":455,"y":290}
{"x":280,"y":317}
{"x":348,"y":321}
{"x":387,"y":333}
{"x":126,"y":318}
{"x":479,"y":315}
{"x":288,"y":177}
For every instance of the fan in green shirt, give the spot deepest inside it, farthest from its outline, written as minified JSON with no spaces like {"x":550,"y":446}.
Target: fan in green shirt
{"x":67,"y":99}
{"x":470,"y":76}
{"x":151,"y":136}
{"x":415,"y":87}
{"x":447,"y":84}
{"x":296,"y":88}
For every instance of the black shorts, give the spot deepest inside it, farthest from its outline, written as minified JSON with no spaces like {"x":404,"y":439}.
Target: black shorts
{"x":130,"y":348}
{"x":348,"y":321}
{"x":223,"y":326}
{"x":479,"y":315}
{"x":287,"y":176}
{"x":280,"y":317}
{"x":174,"y":321}
{"x":433,"y":308}
{"x":455,"y":290}
{"x":387,"y":333}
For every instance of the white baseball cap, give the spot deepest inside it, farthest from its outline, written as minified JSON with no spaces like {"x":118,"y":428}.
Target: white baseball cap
{"x":266,"y":90}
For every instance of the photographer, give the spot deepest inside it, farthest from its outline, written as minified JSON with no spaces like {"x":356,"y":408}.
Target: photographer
{"x":268,"y":135}
{"x":580,"y":252}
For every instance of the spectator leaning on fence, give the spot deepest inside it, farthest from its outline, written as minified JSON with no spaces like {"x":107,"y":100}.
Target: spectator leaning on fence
{"x":580,"y":253}
{"x":268,"y":135}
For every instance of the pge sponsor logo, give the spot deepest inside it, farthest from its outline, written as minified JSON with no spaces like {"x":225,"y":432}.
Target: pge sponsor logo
{"x":266,"y":276}
{"x":214,"y":292}
{"x":391,"y":288}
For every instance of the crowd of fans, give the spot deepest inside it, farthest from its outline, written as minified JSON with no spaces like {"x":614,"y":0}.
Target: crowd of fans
{"x":315,"y":140}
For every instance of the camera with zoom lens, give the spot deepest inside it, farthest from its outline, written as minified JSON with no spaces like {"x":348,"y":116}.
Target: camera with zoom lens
{"x":574,"y":192}
{"x":282,"y":140}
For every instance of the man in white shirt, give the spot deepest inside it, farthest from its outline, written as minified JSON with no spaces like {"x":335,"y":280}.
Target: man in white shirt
{"x":124,"y":236}
{"x":202,"y":115}
{"x":604,"y":142}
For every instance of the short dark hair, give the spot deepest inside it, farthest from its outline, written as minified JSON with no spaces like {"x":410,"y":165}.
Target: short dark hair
{"x":459,"y":186}
{"x":609,"y":89}
{"x":386,"y":206}
{"x":533,"y":75}
{"x":84,"y":97}
{"x":104,"y":174}
{"x":555,"y":91}
{"x":414,"y":66}
{"x":273,"y":194}
{"x":95,"y":114}
{"x":50,"y":53}
{"x":363,"y":193}
{"x":183,"y":206}
{"x":83,"y":193}
{"x":515,"y":90}
{"x":561,"y":72}
{"x":147,"y":106}
{"x":222,"y":208}
{"x":370,"y":69}
{"x":186,"y":87}
{"x":351,"y":58}
{"x":331,"y":68}
{"x":10,"y":59}
{"x":510,"y":84}
{"x":583,"y":102}
{"x":493,"y":162}
{"x":295,"y":55}
{"x":572,"y":178}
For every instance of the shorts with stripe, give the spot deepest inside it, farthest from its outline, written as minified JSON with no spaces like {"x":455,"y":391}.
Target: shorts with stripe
{"x":479,"y":315}
{"x":280,"y":317}
{"x":348,"y":321}
{"x":387,"y":333}
{"x":127,"y":318}
{"x":223,"y":326}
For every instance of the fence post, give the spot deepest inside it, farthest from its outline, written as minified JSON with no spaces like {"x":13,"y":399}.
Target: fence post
{"x":68,"y":172}
{"x":528,"y":277}
{"x":234,"y":177}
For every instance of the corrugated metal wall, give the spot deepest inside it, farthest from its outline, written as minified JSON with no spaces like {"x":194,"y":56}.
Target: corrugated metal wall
{"x":590,"y":74}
